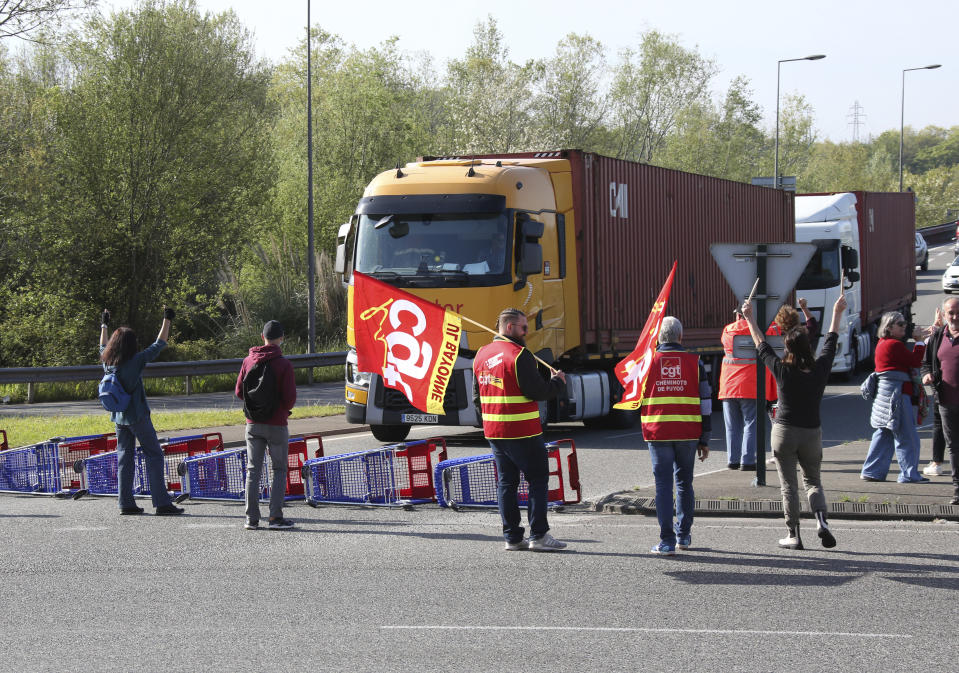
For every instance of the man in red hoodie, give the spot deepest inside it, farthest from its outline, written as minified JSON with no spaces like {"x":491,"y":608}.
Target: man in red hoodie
{"x":267,"y":386}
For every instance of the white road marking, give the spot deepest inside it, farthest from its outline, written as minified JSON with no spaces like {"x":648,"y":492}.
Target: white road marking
{"x":636,"y":629}
{"x":82,"y":528}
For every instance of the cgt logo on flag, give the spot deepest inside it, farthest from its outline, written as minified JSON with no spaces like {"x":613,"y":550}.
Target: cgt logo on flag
{"x":408,"y":341}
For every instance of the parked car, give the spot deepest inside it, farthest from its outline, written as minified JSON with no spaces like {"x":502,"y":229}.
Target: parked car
{"x":922,"y":252}
{"x":950,"y":279}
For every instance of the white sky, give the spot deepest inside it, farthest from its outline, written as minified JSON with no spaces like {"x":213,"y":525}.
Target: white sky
{"x":867,"y":43}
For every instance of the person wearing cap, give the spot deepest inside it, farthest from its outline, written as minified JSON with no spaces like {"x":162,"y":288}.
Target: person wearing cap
{"x":266,"y":370}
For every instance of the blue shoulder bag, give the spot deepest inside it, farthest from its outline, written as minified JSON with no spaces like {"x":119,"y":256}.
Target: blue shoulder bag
{"x":112,"y":395}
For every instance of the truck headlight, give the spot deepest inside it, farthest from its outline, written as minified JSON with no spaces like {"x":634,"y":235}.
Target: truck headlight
{"x":355,"y":376}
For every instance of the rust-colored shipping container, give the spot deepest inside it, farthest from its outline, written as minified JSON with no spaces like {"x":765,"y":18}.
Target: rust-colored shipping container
{"x":634,"y":219}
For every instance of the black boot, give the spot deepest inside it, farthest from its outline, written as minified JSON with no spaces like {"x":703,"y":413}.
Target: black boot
{"x":822,"y":530}
{"x":792,"y":541}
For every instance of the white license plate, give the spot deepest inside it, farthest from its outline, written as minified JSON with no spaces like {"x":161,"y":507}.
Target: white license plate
{"x":420,"y":418}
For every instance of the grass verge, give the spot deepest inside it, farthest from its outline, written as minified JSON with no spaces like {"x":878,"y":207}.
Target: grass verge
{"x":25,"y":430}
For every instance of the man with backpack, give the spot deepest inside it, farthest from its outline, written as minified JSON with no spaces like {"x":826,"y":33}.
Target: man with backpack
{"x":267,"y":386}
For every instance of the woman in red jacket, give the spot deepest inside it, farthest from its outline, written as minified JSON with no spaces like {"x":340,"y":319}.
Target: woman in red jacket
{"x":897,"y":359}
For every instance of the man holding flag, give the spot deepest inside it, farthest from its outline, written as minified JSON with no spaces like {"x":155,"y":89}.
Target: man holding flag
{"x":670,"y":388}
{"x":676,"y":409}
{"x":507,"y":386}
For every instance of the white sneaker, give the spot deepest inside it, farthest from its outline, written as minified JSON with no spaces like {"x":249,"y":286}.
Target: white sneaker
{"x":933,"y":470}
{"x":522,"y":545}
{"x":546,"y":543}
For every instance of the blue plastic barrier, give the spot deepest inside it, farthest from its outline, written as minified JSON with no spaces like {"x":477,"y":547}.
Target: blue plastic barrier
{"x":397,"y":474}
{"x":31,"y":469}
{"x":472,"y":481}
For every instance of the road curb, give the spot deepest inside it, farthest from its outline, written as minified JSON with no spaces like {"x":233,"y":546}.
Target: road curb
{"x":774,"y":508}
{"x":354,"y":429}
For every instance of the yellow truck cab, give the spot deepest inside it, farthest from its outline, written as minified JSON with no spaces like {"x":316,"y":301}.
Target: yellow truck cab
{"x":556,"y":235}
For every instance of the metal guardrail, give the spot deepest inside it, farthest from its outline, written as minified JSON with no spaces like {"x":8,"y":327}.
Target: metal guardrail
{"x":187,"y":369}
{"x":940,"y":233}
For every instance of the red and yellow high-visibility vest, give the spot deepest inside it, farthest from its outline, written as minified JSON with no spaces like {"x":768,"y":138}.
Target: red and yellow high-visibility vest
{"x":507,"y":413}
{"x":670,"y":410}
{"x":737,"y":378}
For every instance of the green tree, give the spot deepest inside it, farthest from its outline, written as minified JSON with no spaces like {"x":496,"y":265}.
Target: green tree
{"x":650,"y":89}
{"x":163,"y":164}
{"x":797,"y":136}
{"x":22,"y":18}
{"x":726,"y":142}
{"x":571,"y":104}
{"x":489,"y":105}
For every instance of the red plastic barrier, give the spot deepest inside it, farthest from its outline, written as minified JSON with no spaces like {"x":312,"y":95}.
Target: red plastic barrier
{"x":419,"y":467}
{"x":176,"y":449}
{"x":73,"y":450}
{"x":299,"y":450}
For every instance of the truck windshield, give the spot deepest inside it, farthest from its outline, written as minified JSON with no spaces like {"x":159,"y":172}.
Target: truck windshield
{"x":434,"y":250}
{"x":823,"y":269}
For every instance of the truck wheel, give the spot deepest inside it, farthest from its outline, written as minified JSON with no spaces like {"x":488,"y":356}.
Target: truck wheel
{"x":390,"y":433}
{"x":622,"y":419}
{"x":616,"y":419}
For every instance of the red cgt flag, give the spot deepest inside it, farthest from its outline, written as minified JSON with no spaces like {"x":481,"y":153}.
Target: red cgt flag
{"x":411,"y":343}
{"x":633,"y":371}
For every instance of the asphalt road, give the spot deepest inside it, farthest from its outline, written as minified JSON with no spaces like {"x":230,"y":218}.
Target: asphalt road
{"x":377,"y":590}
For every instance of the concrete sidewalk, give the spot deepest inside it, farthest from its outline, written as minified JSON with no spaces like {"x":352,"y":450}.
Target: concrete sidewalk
{"x":730,"y":492}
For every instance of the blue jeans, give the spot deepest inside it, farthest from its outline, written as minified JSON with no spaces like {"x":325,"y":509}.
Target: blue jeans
{"x":527,"y":455}
{"x":127,"y":435}
{"x":674,"y":459}
{"x":739,"y":417}
{"x":905,"y":444}
{"x":259,"y":437}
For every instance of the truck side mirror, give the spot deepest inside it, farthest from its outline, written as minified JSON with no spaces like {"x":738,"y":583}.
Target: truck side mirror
{"x":339,"y":266}
{"x":850,"y":258}
{"x":852,"y":276}
{"x":530,"y":251}
{"x":531,"y":259}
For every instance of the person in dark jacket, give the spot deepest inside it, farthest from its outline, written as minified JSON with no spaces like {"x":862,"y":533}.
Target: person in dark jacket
{"x":940,"y":369}
{"x":120,"y":355}
{"x":796,"y":435}
{"x":271,"y":432}
{"x":506,"y":386}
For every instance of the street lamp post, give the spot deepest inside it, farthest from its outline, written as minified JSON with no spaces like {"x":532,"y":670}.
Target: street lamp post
{"x":814,"y":57}
{"x":902,"y":111}
{"x":311,"y":263}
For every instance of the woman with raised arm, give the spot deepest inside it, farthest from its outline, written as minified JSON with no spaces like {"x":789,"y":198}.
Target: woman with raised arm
{"x":796,"y":436}
{"x":119,"y":354}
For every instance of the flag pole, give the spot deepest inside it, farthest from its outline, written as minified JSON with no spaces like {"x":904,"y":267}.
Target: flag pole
{"x":495,"y":333}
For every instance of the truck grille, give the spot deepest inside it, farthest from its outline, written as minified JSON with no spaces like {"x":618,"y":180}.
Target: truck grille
{"x":456,"y":397}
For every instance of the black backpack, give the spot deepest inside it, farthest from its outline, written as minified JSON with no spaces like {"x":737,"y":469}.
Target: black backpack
{"x":260,"y":395}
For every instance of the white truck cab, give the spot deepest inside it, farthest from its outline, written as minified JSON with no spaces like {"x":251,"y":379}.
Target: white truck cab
{"x":830,"y":222}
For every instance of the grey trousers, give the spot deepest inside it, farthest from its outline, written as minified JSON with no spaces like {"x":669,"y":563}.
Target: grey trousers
{"x":259,"y":437}
{"x":802,"y":446}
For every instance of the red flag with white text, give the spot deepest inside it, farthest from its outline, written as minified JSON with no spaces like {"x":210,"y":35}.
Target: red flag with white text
{"x":633,"y":371}
{"x":410,"y":342}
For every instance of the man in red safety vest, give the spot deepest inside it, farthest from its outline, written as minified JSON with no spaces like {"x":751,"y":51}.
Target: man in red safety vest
{"x":675,"y":411}
{"x":507,"y":385}
{"x":737,"y":391}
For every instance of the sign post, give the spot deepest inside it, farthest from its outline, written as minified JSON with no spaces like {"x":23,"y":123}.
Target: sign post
{"x":776,"y":267}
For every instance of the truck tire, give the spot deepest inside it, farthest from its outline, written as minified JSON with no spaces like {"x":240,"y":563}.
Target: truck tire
{"x":855,"y":357}
{"x":616,"y":419}
{"x":390,"y":433}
